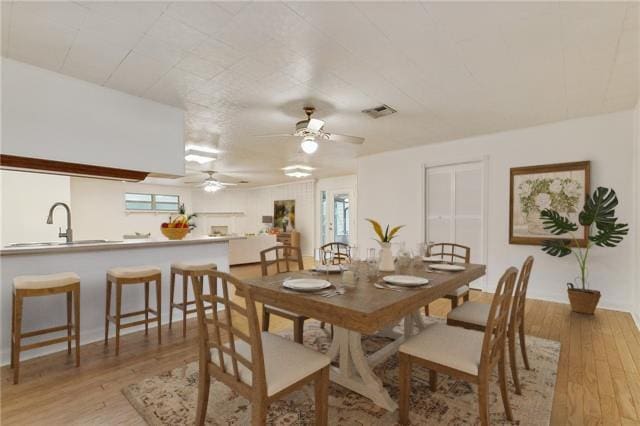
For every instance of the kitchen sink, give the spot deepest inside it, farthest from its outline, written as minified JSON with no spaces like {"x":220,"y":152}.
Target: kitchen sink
{"x":33,"y":244}
{"x":89,"y":242}
{"x":56,"y":243}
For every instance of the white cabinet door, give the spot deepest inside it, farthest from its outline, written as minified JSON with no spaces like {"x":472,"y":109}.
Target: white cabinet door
{"x":454,"y":208}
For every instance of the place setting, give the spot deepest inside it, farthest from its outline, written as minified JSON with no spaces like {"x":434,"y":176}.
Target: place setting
{"x":402,"y":282}
{"x":313,"y":286}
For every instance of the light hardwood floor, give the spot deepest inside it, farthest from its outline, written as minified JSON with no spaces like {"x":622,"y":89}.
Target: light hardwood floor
{"x":598,"y":376}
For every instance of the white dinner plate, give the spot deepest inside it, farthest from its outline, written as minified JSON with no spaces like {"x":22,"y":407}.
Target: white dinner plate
{"x":306,"y":284}
{"x":328,"y":268}
{"x":448,"y":267}
{"x":433,"y":259}
{"x":405,"y":280}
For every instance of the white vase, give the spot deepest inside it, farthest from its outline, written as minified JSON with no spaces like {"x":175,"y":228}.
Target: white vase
{"x":386,"y":258}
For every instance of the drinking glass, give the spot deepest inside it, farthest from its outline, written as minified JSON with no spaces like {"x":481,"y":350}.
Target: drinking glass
{"x":354,"y":254}
{"x":372,"y":265}
{"x":319,"y":259}
{"x":420,"y":252}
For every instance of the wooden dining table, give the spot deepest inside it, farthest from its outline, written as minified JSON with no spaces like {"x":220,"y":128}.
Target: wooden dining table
{"x":363,"y":309}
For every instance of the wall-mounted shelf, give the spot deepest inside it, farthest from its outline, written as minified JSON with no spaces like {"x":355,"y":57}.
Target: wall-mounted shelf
{"x":220,"y":213}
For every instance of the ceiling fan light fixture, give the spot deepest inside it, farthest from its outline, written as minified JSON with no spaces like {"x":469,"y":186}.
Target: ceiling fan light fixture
{"x":297,"y":171}
{"x":212,"y":187}
{"x":309,"y":145}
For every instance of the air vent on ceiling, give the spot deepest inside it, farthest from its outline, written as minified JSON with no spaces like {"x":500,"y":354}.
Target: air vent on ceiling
{"x":379,"y":111}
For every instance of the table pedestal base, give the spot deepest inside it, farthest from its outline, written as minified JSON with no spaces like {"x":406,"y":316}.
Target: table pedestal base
{"x":355,"y":368}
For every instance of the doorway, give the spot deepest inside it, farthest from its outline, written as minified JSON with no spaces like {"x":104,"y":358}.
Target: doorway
{"x":455,"y":208}
{"x":336,"y":216}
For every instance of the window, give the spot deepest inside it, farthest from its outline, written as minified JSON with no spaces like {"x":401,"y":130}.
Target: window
{"x":151,"y":202}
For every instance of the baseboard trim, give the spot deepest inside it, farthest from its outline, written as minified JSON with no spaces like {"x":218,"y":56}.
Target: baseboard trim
{"x":636,"y":319}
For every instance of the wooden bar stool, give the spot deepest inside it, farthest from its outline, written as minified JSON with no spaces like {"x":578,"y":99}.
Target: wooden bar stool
{"x":126,"y":276}
{"x":188,"y":269}
{"x":45,"y":285}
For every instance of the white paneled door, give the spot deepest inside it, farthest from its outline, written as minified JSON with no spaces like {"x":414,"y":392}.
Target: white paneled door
{"x":454,"y":207}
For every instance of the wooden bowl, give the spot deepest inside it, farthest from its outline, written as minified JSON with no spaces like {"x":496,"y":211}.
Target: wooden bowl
{"x":175,"y":233}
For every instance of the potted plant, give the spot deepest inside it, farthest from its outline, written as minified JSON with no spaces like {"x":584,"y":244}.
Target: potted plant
{"x":598,"y":210}
{"x":386,"y":258}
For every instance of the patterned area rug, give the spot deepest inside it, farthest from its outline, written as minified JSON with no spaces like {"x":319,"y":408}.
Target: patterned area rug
{"x":170,"y":398}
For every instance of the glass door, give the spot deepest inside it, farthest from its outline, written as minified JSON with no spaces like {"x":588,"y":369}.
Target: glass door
{"x":336,"y":217}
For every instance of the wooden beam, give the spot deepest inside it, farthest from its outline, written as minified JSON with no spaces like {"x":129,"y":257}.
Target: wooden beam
{"x":14,"y":162}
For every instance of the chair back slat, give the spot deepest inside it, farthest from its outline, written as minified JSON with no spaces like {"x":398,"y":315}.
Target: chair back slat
{"x":227,"y":349}
{"x":452,"y":251}
{"x":341,"y":253}
{"x":520,"y":295}
{"x":278,"y":255}
{"x":496,"y":330}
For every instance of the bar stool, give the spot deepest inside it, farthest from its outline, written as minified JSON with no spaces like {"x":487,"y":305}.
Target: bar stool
{"x":132,"y":275}
{"x":44,"y":285}
{"x":193,"y":269}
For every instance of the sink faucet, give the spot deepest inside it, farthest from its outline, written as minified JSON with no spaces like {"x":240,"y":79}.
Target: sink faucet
{"x":69,"y":234}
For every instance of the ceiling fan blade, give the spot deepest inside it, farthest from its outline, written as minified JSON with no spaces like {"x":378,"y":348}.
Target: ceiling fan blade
{"x":278,"y":135}
{"x":315,"y":125}
{"x":344,"y":138}
{"x":189,"y":182}
{"x":227,"y":183}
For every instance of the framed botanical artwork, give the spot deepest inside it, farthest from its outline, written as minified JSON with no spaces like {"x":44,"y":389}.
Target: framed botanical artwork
{"x":560,"y":187}
{"x":284,"y":215}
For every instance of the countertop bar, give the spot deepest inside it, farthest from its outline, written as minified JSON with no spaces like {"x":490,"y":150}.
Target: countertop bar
{"x":112,"y":245}
{"x":91,"y":262}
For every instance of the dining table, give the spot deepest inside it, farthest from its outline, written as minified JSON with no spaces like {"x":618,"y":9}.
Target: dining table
{"x":364,"y":306}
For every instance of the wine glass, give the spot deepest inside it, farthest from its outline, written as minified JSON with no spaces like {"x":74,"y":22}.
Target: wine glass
{"x":372,"y":265}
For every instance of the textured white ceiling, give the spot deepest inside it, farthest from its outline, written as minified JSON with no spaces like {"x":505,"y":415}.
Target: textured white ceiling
{"x":242,"y":69}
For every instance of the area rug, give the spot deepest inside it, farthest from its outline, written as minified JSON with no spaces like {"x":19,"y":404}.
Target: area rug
{"x":170,"y":398}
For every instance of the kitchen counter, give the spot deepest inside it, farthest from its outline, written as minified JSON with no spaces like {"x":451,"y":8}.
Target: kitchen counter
{"x":112,"y":245}
{"x":91,"y":262}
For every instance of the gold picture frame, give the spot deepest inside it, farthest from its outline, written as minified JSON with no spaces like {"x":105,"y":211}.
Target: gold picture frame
{"x":563,"y":187}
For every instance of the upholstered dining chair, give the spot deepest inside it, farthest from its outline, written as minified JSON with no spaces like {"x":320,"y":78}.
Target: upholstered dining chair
{"x":474,"y":315}
{"x":451,"y":252}
{"x":465,"y":354}
{"x":261,"y":367}
{"x":283,"y":258}
{"x":341,"y":253}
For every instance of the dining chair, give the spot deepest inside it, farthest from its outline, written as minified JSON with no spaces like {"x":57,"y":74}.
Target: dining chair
{"x":452,"y":252}
{"x":468,"y":355}
{"x":283,"y":257}
{"x":341,"y":253}
{"x":262,"y":367}
{"x":474,"y":315}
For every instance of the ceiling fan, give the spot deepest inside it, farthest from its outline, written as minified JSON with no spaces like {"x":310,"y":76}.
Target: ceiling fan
{"x":312,"y":130}
{"x":211,"y":184}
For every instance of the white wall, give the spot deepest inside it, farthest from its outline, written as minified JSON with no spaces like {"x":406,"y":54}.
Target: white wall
{"x":52,"y":116}
{"x":99,"y":213}
{"x":389,"y":189}
{"x":258,"y":202}
{"x":635,"y":230}
{"x":25,"y":202}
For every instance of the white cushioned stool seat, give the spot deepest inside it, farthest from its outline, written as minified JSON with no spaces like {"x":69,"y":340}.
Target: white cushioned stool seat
{"x":194,"y":266}
{"x":471,"y":312}
{"x":459,"y":291}
{"x":453,"y":347}
{"x":35,"y":282}
{"x":285,"y":362}
{"x":134,"y":271}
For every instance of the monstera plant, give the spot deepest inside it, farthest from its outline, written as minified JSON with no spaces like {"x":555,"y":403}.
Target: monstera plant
{"x":598,"y":215}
